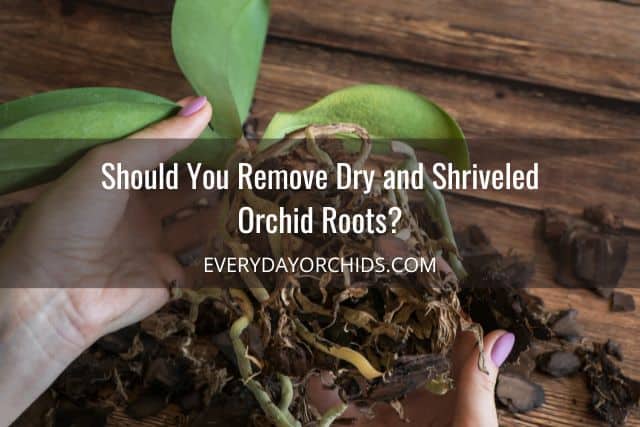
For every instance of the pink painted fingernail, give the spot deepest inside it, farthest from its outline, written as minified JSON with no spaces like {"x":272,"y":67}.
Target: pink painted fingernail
{"x":193,"y":106}
{"x":502,"y":348}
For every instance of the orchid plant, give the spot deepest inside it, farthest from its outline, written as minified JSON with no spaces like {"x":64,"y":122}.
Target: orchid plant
{"x":218,"y":45}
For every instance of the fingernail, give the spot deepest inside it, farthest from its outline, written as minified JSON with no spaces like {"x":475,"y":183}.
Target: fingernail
{"x":502,"y":348}
{"x":193,"y":106}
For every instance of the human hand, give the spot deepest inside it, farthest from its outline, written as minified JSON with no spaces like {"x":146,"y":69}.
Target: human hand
{"x":84,"y":261}
{"x":470,"y":404}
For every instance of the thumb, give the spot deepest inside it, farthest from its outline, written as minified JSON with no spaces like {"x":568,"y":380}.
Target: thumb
{"x":475,"y":405}
{"x":157,"y":143}
{"x":144,"y":150}
{"x":147,"y":148}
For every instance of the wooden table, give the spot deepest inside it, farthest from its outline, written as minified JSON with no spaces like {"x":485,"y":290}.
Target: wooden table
{"x":557,"y":81}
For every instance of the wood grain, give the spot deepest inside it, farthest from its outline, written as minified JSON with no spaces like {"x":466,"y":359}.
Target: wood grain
{"x":588,"y":46}
{"x":102,"y":46}
{"x":522,"y":126}
{"x":45,"y":49}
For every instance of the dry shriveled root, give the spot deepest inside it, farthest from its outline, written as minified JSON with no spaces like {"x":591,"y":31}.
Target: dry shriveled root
{"x":241,"y":347}
{"x":243,"y":352}
{"x":381,"y":333}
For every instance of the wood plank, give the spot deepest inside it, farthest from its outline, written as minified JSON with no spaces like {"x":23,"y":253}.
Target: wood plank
{"x":566,"y":399}
{"x":502,"y":223}
{"x":44,"y":50}
{"x":152,"y":7}
{"x":294,"y":75}
{"x":589,"y":46}
{"x":102,"y":46}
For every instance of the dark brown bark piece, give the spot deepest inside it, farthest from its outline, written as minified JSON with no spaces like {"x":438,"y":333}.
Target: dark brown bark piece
{"x":613,"y":395}
{"x":119,"y":341}
{"x":146,"y":405}
{"x":475,"y":248}
{"x":588,"y":251}
{"x":234,"y":409}
{"x":515,"y":272}
{"x":622,"y":302}
{"x":603,"y":292}
{"x":190,"y":402}
{"x":408,"y":374}
{"x":565,"y":325}
{"x":85,"y":377}
{"x":555,"y":225}
{"x":36,"y":414}
{"x":564,"y":257}
{"x":251,"y":337}
{"x":517,"y":393}
{"x":559,"y":363}
{"x":602,"y":215}
{"x":493,"y":294}
{"x":167,"y":374}
{"x":68,"y":414}
{"x":294,"y":361}
{"x":600,"y":259}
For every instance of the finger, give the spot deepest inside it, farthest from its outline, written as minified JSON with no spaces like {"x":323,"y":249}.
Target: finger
{"x":194,"y":230}
{"x":82,"y":183}
{"x":171,"y":272}
{"x":23,"y":196}
{"x":145,"y":301}
{"x":159,"y":142}
{"x":166,"y":203}
{"x":463,"y":346}
{"x":151,"y":295}
{"x":475,"y":394}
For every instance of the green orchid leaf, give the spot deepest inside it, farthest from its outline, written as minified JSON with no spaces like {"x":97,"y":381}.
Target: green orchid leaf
{"x":30,"y":106}
{"x":42,"y":135}
{"x":105,"y":121}
{"x":388,"y":113}
{"x":218,"y":45}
